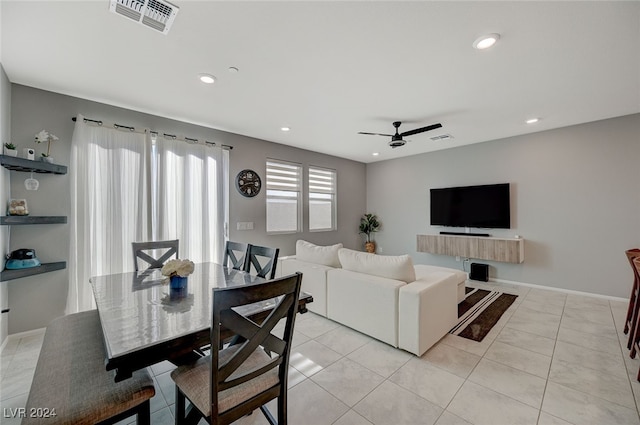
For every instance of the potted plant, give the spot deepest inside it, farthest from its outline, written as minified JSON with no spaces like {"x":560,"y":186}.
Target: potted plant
{"x":10,"y":149}
{"x":45,"y":136}
{"x":369,"y":224}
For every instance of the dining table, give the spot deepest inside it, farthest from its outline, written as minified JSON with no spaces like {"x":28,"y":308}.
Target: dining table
{"x":144,"y":321}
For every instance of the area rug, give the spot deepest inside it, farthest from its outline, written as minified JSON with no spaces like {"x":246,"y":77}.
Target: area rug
{"x":480,"y":311}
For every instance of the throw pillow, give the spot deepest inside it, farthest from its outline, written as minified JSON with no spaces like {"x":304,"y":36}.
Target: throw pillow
{"x":397,"y":267}
{"x":311,"y":253}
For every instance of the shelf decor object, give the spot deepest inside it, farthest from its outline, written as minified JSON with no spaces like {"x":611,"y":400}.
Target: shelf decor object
{"x":17,"y":207}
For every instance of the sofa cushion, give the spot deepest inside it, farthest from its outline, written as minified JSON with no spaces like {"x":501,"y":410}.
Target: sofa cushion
{"x":397,"y":267}
{"x":324,"y":255}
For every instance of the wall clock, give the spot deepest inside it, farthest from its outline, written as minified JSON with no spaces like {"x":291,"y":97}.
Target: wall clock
{"x":248,"y":183}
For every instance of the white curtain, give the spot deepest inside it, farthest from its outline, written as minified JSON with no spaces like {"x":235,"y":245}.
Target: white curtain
{"x":126,"y":187}
{"x":109,"y":177}
{"x":188,"y":198}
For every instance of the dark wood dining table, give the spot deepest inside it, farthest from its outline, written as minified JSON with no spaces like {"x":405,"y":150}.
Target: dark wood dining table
{"x":145,"y":322}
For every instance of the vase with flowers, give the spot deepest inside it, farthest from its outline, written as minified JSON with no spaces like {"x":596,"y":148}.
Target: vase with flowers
{"x":178,"y":271}
{"x":45,"y":136}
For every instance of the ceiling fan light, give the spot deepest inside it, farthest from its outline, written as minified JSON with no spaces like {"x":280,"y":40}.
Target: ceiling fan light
{"x":486,"y":41}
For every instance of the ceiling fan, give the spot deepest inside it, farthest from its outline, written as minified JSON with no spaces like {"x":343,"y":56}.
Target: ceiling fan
{"x":397,"y":139}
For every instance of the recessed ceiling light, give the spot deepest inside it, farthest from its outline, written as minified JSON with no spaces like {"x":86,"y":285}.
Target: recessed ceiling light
{"x":486,"y":41}
{"x":375,"y":153}
{"x":285,"y":128}
{"x":533,"y":120}
{"x":233,"y":70}
{"x":207,"y":78}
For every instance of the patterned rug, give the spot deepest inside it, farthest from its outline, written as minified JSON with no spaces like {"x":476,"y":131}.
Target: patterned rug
{"x":480,"y":310}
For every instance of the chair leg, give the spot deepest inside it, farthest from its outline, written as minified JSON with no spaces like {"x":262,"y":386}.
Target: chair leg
{"x":282,"y":407}
{"x":144,"y":414}
{"x":632,"y":301}
{"x":180,"y":407}
{"x":633,"y":329}
{"x":267,"y":414}
{"x":629,"y":313}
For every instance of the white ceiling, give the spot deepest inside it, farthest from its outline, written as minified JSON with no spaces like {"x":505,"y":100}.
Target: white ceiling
{"x":329,"y":69}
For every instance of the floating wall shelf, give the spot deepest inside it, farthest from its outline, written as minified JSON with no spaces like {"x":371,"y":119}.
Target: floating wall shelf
{"x":43,"y":268}
{"x":20,"y":164}
{"x":16,"y":220}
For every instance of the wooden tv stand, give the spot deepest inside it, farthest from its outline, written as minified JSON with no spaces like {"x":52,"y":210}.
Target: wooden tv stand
{"x":481,"y":248}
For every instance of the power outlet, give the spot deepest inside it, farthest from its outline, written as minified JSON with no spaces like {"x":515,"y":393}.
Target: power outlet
{"x":457,"y":258}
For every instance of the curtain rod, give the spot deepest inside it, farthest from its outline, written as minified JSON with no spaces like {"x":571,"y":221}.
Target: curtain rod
{"x":168,"y":136}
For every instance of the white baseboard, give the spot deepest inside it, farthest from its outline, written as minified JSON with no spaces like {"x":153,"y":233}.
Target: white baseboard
{"x":566,"y":291}
{"x":24,"y":334}
{"x":19,"y":335}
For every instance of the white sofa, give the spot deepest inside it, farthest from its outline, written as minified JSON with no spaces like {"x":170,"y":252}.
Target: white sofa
{"x":386,"y":297}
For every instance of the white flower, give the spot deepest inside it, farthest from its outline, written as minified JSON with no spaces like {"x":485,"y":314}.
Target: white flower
{"x":182,"y":268}
{"x":43,"y":136}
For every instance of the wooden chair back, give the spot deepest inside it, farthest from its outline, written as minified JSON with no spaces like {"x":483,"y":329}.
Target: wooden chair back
{"x":235,"y":255}
{"x":263,"y":260}
{"x":227,"y":303}
{"x":143,"y":251}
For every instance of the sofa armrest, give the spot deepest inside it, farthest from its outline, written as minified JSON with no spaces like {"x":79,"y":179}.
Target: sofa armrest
{"x":314,"y":281}
{"x":366,"y":303}
{"x":428,"y":309}
{"x":281,"y":261}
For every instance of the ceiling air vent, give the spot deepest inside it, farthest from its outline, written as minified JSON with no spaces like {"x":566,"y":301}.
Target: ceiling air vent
{"x":442,"y":137}
{"x":155,"y":14}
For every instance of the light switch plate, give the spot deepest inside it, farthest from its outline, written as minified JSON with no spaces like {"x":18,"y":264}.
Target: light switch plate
{"x":244,"y":225}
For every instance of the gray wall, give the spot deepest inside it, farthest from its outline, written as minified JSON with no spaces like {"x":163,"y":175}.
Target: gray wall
{"x":5,"y":133}
{"x":351,"y":200}
{"x":36,"y":300}
{"x":575,"y":201}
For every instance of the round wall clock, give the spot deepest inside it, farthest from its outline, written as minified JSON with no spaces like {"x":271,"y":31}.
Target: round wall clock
{"x":248,"y":183}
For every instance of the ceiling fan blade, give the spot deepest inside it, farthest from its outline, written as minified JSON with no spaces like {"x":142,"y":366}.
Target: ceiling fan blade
{"x":375,"y":134}
{"x":420,"y":130}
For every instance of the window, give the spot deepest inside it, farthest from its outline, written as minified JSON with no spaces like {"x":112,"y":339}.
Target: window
{"x":322,"y":199}
{"x":284,"y":197}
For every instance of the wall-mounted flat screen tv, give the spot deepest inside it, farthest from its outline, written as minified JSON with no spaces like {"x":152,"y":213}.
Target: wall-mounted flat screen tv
{"x":486,"y":206}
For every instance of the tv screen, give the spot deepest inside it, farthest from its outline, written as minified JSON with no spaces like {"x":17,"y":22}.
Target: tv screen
{"x":486,"y":206}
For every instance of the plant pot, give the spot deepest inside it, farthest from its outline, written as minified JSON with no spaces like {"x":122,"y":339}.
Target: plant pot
{"x":370,"y":247}
{"x":10,"y":152}
{"x":46,"y":159}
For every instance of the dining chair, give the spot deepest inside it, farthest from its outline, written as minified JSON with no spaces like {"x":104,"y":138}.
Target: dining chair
{"x":147,"y":252}
{"x":634,"y":328}
{"x":263,"y":259}
{"x":233,"y":382}
{"x":236,"y":253}
{"x":631,"y":255}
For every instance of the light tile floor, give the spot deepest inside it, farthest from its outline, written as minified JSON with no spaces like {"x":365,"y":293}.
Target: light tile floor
{"x":552,"y":359}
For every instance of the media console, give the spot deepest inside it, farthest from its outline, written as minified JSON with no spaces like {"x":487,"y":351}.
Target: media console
{"x":480,"y":248}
